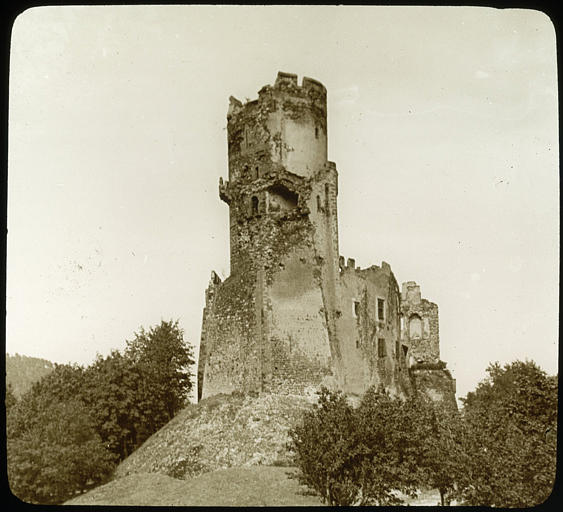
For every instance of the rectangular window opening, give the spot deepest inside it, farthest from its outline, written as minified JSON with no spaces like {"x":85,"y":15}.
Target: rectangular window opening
{"x":356,"y":308}
{"x":381,"y":349}
{"x":381,"y":309}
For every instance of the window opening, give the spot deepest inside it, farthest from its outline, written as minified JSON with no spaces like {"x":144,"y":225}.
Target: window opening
{"x":381,"y":309}
{"x":254,"y":205}
{"x":356,"y":308}
{"x":381,"y":349}
{"x":415,"y":327}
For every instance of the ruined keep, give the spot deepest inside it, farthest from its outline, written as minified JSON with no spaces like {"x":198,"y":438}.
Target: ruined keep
{"x":293,"y":314}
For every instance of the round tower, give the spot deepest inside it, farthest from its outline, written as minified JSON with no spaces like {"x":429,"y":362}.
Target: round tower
{"x":276,"y":144}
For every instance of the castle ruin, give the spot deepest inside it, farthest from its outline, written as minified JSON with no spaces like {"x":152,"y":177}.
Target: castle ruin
{"x":293,"y":314}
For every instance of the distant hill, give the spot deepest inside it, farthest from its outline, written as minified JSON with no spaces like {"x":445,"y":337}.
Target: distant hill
{"x":23,"y":371}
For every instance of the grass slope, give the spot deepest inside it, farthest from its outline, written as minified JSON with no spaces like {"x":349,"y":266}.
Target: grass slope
{"x":224,"y":451}
{"x":239,"y":487}
{"x":217,"y":433}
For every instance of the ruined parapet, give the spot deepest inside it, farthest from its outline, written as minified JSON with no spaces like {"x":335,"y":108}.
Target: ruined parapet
{"x":420,"y":339}
{"x":286,"y":125}
{"x":420,"y":326}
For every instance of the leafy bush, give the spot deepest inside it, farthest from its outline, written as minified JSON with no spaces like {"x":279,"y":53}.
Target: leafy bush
{"x":367,"y":455}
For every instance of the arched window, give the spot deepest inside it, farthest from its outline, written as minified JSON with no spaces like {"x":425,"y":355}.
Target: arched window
{"x":415,"y":327}
{"x":254,"y":205}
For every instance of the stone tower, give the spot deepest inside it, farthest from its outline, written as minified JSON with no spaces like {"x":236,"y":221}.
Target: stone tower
{"x":265,"y":326}
{"x":292,"y":315}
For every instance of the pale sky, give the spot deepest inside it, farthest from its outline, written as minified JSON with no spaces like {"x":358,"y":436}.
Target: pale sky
{"x":442,"y":122}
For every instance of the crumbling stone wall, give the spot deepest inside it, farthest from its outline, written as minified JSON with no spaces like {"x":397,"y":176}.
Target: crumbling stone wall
{"x":420,"y":330}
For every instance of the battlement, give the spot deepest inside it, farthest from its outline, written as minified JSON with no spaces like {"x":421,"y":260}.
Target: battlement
{"x":289,"y":81}
{"x":350,"y":265}
{"x":287,"y":84}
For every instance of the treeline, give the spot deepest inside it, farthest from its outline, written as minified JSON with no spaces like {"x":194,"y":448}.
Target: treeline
{"x":23,"y":371}
{"x":70,"y":430}
{"x":499,"y":450}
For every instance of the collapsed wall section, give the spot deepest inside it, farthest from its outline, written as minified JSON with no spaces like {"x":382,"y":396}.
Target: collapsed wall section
{"x":231,"y":357}
{"x":420,"y":333}
{"x":419,"y":325}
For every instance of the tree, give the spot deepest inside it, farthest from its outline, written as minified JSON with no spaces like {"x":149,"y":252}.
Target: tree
{"x":10,"y":399}
{"x":390,"y":437}
{"x":510,"y":424}
{"x":325,"y":449}
{"x":112,"y":391}
{"x":164,"y":360}
{"x":57,"y":455}
{"x":63,"y":383}
{"x":443,"y":462}
{"x":73,"y":425}
{"x":367,"y":455}
{"x":133,"y":394}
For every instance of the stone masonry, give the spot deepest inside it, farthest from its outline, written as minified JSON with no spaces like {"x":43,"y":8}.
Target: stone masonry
{"x":293,"y":315}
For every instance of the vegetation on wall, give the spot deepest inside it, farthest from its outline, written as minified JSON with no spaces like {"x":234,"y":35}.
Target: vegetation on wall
{"x":69,"y":431}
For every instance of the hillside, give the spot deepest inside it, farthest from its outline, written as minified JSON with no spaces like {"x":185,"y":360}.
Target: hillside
{"x":217,"y":433}
{"x":227,"y":450}
{"x":220,"y":451}
{"x":23,"y":371}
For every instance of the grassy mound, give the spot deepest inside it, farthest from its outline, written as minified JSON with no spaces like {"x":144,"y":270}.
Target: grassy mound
{"x":217,"y":433}
{"x":227,"y":450}
{"x":247,"y":486}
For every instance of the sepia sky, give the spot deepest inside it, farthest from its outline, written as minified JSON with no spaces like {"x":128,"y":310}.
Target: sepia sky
{"x":442,"y":123}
